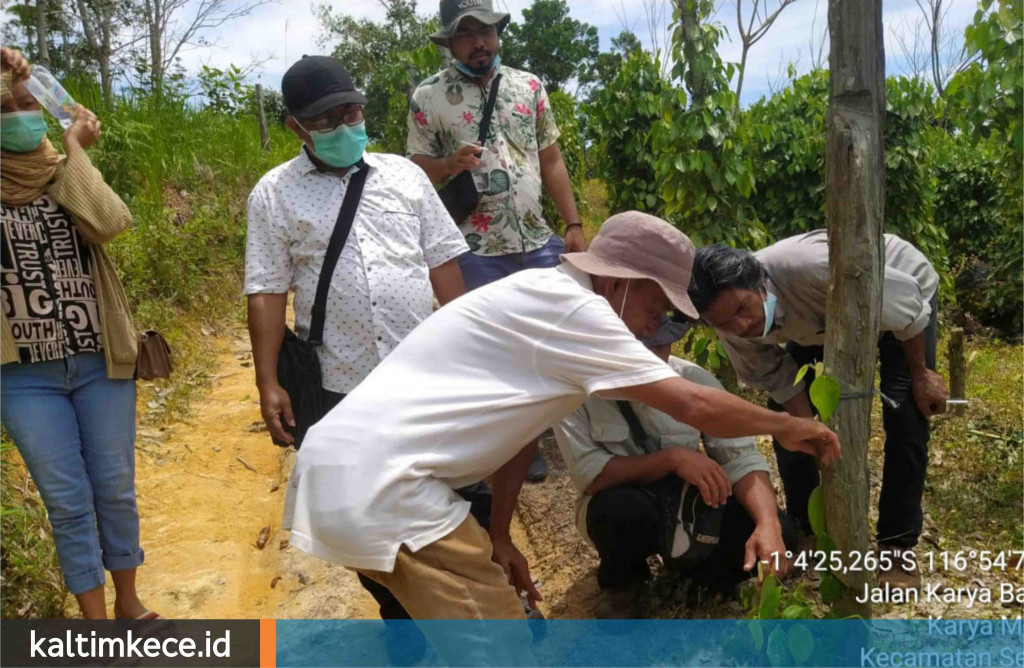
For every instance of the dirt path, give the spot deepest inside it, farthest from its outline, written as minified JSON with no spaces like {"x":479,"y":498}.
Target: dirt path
{"x":209,"y":485}
{"x":207,"y":488}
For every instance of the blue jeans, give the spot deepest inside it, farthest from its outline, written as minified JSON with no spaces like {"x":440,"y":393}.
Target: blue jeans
{"x":75,"y":429}
{"x":479,"y":270}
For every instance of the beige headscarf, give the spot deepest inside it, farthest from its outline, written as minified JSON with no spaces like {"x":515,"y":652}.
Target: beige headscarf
{"x":25,"y":176}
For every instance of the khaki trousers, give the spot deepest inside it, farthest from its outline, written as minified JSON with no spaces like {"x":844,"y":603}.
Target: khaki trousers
{"x":452,"y":578}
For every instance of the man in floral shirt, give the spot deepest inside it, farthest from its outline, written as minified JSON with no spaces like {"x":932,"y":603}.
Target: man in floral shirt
{"x":507,"y":231}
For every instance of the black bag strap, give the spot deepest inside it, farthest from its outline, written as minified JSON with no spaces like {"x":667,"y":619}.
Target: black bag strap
{"x":636,"y":430}
{"x":485,"y":122}
{"x":339,"y":236}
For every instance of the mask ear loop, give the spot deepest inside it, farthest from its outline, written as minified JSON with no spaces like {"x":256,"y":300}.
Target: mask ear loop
{"x":625,"y":293}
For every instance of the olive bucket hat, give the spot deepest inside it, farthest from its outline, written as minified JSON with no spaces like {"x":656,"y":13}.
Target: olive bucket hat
{"x":453,"y":11}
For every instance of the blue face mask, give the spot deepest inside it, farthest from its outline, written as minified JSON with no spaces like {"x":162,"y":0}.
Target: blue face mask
{"x":769,"y":312}
{"x":22,"y":131}
{"x":476,"y":75}
{"x":341,"y":147}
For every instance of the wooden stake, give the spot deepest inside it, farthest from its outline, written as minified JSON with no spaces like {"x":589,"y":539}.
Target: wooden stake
{"x":957,"y":369}
{"x":264,"y":130}
{"x":854,"y":177}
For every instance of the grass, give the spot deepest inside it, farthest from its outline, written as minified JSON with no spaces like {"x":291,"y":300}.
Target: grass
{"x":975,"y":482}
{"x":596,"y":211}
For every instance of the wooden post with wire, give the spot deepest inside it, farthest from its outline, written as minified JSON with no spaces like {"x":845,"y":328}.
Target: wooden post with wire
{"x":854,"y":179}
{"x":264,"y":130}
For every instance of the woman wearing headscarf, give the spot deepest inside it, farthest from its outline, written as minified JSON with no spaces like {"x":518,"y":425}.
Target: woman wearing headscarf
{"x":68,"y":346}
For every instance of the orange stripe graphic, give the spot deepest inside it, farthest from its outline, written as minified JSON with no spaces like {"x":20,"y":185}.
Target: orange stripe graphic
{"x":268,"y":643}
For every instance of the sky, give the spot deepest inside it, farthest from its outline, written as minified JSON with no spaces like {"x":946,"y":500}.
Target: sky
{"x":281,"y":32}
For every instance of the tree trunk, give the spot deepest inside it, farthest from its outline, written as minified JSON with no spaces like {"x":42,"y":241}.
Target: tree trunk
{"x":743,"y":70}
{"x":689,"y":16}
{"x":106,"y":15}
{"x":99,"y":44}
{"x":154,"y":28}
{"x":855,"y":181}
{"x":262,"y":116}
{"x":43,"y":57}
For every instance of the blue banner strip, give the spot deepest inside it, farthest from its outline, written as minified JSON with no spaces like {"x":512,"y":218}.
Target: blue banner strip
{"x":570,"y":643}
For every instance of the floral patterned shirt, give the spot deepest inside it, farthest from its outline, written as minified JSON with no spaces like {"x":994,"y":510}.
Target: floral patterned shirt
{"x":446,"y":110}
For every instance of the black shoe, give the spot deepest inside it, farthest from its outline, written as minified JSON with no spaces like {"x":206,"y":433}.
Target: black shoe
{"x":538,"y":470}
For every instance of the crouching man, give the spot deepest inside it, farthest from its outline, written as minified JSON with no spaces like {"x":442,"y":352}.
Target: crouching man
{"x":624,"y":457}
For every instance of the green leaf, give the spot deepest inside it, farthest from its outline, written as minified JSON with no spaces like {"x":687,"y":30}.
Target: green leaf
{"x":825,"y":395}
{"x":778,"y":654}
{"x":831,"y":589}
{"x":756,"y":634}
{"x":825,"y":543}
{"x":770,"y":596}
{"x":816,"y":511}
{"x":796,"y":612}
{"x":1006,"y":17}
{"x":801,"y":373}
{"x":702,"y":345}
{"x":800,"y":643}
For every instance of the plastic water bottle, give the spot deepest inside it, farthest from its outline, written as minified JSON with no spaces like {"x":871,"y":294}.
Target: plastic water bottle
{"x":48,"y":91}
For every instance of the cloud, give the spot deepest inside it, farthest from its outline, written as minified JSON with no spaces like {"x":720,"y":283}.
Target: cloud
{"x":280,"y":33}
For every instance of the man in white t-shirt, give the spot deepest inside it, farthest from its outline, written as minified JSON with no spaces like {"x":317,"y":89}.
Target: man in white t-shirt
{"x":373,"y":486}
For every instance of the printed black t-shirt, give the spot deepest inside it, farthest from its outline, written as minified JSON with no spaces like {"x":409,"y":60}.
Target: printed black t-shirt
{"x":46,"y":284}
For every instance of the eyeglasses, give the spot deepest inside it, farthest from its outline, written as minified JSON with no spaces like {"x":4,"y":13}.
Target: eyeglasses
{"x":351,"y":114}
{"x":464,"y":33}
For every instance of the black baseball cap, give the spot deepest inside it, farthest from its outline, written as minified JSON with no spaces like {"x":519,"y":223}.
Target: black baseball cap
{"x":315,"y":84}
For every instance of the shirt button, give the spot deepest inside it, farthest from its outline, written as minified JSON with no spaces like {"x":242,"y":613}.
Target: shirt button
{"x":380,"y":338}
{"x":373,"y":303}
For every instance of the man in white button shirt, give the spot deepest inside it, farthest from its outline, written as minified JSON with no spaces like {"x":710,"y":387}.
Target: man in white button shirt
{"x":400,"y":252}
{"x":373,"y":486}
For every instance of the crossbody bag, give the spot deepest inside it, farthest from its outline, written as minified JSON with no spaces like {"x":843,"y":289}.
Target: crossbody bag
{"x":298,"y":367}
{"x":460,"y":195}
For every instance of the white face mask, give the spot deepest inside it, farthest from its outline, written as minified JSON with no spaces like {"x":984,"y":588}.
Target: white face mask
{"x":625,"y":293}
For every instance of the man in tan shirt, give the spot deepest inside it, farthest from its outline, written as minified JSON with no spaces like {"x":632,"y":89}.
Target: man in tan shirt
{"x":759,"y":301}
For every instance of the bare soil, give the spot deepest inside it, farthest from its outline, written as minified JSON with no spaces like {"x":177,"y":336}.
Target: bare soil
{"x":208,"y":487}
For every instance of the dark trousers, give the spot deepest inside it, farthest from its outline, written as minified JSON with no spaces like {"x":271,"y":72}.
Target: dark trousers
{"x":479,"y":497}
{"x":906,"y":445}
{"x":624,"y":525}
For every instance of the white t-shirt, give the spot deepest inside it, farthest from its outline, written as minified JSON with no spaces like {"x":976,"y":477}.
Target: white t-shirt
{"x":456,"y":400}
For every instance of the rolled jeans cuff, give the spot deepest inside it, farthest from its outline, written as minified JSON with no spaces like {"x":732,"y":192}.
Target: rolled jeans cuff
{"x":118,"y":562}
{"x":83,"y":582}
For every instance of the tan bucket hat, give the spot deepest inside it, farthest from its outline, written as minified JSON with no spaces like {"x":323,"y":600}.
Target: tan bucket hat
{"x":638,"y":245}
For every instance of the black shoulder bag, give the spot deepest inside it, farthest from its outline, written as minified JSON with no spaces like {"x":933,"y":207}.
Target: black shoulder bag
{"x":460,"y":195}
{"x":298,"y":368}
{"x":690,"y":528}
